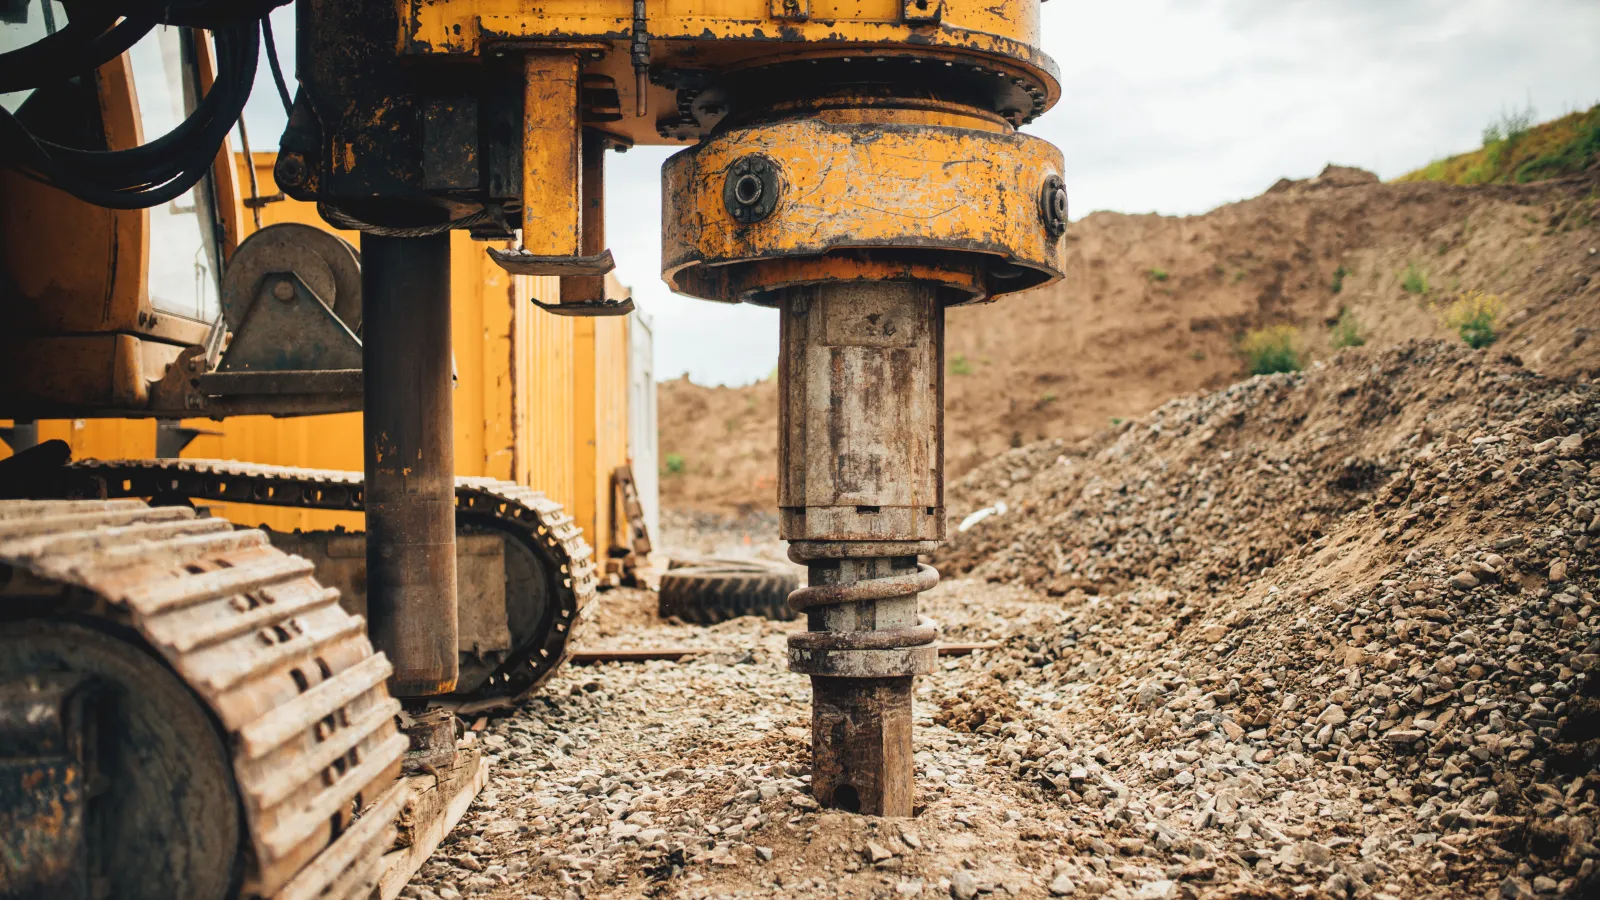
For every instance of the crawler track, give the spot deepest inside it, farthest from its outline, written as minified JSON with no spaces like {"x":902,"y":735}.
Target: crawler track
{"x":523,"y":514}
{"x":290,"y":677}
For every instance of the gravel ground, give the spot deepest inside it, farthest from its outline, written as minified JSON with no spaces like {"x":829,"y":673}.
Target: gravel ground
{"x":1323,"y":635}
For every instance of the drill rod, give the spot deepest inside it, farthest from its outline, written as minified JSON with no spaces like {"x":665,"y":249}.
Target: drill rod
{"x":861,"y":464}
{"x":409,"y":457}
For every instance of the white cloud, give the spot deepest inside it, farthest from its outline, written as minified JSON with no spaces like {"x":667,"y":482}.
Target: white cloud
{"x":1177,"y":106}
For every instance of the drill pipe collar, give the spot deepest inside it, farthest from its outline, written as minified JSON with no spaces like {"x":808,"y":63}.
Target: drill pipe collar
{"x":896,"y":663}
{"x":810,"y":551}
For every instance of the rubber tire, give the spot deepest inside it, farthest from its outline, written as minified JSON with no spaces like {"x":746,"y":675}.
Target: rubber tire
{"x":723,"y":590}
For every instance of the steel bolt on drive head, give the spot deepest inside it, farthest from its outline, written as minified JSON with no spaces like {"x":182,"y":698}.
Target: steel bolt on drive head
{"x":1053,"y":206}
{"x":750,"y":192}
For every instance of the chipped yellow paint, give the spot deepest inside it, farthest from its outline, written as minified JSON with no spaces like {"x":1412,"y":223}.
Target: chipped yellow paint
{"x":458,"y":26}
{"x":851,"y":185}
{"x":999,"y":37}
{"x":552,"y":182}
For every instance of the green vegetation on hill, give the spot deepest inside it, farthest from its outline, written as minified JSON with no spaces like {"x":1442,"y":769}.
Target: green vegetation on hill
{"x":1515,"y":151}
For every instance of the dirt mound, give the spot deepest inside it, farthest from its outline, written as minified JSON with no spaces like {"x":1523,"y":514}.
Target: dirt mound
{"x":1330,"y":634}
{"x":1371,"y":581}
{"x":1153,"y":306}
{"x":719,"y":447}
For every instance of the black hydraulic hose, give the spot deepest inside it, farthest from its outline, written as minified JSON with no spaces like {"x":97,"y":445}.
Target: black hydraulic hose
{"x":275,"y":66}
{"x":161,"y":170}
{"x":84,"y":44}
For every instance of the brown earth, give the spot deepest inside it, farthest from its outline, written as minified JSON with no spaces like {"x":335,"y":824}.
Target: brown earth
{"x":1115,"y":338}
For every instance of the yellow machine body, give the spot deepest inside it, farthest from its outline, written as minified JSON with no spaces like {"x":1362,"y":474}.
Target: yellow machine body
{"x":540,"y":399}
{"x":83,"y":332}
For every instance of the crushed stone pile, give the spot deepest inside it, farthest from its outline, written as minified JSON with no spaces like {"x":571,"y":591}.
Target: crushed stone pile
{"x":1341,"y":623}
{"x":1326,"y":635}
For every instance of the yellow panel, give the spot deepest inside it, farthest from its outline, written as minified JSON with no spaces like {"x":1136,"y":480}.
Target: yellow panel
{"x":98,"y":438}
{"x":585,"y":507}
{"x":600,"y":418}
{"x":611,"y":423}
{"x":545,"y":450}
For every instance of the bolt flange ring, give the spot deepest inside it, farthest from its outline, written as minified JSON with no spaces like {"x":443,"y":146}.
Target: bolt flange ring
{"x":1053,"y":206}
{"x":750,"y":191}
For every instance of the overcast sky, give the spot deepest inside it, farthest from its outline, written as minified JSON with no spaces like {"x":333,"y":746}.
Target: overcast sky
{"x":1177,"y":107}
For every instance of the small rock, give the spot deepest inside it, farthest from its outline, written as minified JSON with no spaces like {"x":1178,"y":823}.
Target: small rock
{"x":1514,"y":888}
{"x":877,"y":853}
{"x":1212,"y":632}
{"x":1315,"y":854}
{"x":805,"y":801}
{"x":764,"y":852}
{"x":1558,"y":571}
{"x":1464,"y":580}
{"x":1157,"y":890}
{"x":908,"y":888}
{"x":962,"y":885}
{"x":1198,"y":870}
{"x":1062,"y":886}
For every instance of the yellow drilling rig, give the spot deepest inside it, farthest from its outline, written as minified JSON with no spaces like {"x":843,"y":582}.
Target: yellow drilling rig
{"x":184,"y":709}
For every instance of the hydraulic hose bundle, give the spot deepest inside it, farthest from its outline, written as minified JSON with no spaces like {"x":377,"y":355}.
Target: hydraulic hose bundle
{"x":165,"y":168}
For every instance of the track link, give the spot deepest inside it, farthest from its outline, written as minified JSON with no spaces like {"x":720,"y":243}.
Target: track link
{"x":526,"y":514}
{"x":289,"y":675}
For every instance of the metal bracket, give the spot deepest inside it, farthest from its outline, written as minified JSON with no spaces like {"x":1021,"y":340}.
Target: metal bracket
{"x":172,"y":436}
{"x":521,"y":262}
{"x":588,"y":308}
{"x":259,"y":202}
{"x":290,"y":328}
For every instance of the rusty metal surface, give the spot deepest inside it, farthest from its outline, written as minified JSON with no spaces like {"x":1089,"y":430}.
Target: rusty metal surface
{"x":409,"y":456}
{"x":861,"y":745}
{"x":860,"y":413}
{"x":988,"y":41}
{"x":289,"y":676}
{"x":432,"y":734}
{"x":541,"y":527}
{"x":894,"y":189}
{"x":325,"y":263}
{"x":525,"y":262}
{"x":46,"y":758}
{"x":861,"y":460}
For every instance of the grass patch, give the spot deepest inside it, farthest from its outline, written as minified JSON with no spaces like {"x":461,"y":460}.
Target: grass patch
{"x":959,"y":365}
{"x":1347,"y":332}
{"x":1338,"y":279}
{"x":1516,"y":151}
{"x":674,"y":463}
{"x":1413,"y":280}
{"x":1157,"y":274}
{"x":1273,"y":349}
{"x":1476,"y":317}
